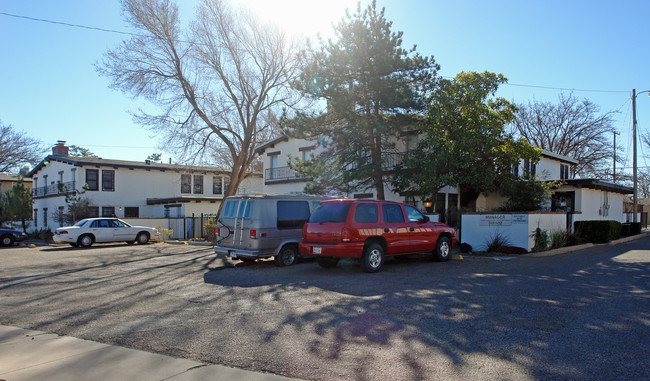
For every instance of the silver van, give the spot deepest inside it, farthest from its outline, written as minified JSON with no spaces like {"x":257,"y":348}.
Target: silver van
{"x":262,"y":226}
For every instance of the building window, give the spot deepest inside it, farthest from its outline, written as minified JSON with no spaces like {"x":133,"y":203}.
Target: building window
{"x":93,"y":211}
{"x":530,"y":169}
{"x":108,"y":211}
{"x":92,"y":179}
{"x":564,"y":172}
{"x":186,"y":183}
{"x":45,"y":185}
{"x":198,"y":184}
{"x":45,"y":217}
{"x":60,"y":215}
{"x":108,"y":181}
{"x":35,"y":218}
{"x":131,"y":212}
{"x":273,"y":164}
{"x":226,"y":184}
{"x":217,"y":185}
{"x":515,"y":169}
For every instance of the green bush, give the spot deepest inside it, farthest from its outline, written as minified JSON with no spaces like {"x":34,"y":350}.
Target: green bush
{"x":209,"y":232}
{"x":559,"y":238}
{"x":598,"y":231}
{"x":635,"y":228}
{"x":496,"y":243}
{"x":541,"y":239}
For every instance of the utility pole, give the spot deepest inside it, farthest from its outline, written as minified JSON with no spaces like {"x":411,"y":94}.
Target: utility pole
{"x":614,"y":173}
{"x":634,"y":202}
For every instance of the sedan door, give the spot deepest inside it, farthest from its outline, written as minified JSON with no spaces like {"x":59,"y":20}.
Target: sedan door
{"x":102,"y":230}
{"x":122,"y":231}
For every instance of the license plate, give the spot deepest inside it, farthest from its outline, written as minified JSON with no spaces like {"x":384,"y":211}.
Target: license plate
{"x":318,"y":250}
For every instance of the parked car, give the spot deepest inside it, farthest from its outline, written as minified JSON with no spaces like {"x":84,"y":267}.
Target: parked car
{"x":372,"y":230}
{"x":95,"y":230}
{"x":9,"y":236}
{"x":263,"y":226}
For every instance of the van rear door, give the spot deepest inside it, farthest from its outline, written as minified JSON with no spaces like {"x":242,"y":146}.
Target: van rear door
{"x":232,"y":219}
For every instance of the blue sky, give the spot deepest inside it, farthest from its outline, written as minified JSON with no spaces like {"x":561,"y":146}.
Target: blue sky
{"x":49,"y":88}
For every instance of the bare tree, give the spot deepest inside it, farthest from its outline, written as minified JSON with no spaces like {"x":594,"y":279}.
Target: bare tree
{"x":573,"y":128}
{"x":17,"y":149}
{"x":217,"y":85}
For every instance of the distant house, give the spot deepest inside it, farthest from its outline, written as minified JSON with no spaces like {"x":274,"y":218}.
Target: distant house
{"x":127,"y":189}
{"x":7,"y":181}
{"x":583,"y":198}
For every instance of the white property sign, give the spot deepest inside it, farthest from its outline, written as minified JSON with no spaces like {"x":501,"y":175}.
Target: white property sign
{"x":479,"y":229}
{"x":502,"y":219}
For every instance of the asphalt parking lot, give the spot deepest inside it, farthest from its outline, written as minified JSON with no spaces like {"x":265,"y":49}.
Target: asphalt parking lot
{"x":583,"y":315}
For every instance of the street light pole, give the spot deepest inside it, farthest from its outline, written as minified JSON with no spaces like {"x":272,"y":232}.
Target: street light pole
{"x":634,"y":202}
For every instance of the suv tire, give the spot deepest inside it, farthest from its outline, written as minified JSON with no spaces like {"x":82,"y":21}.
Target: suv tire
{"x":373,"y":258}
{"x":287,"y":256}
{"x":443,"y":250}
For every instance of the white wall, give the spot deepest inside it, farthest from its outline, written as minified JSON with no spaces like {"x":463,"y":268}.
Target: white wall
{"x":479,"y":229}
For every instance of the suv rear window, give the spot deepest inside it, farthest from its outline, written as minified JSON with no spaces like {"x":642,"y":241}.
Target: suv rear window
{"x":292,"y":214}
{"x":333,"y":212}
{"x":392,"y":213}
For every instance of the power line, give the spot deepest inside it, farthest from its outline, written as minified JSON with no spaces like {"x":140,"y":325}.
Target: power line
{"x":140,"y":35}
{"x":69,"y":24}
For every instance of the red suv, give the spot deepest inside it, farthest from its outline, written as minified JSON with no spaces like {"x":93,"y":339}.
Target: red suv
{"x":372,"y":230}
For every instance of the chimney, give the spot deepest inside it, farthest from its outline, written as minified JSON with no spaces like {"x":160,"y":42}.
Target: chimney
{"x":60,"y":149}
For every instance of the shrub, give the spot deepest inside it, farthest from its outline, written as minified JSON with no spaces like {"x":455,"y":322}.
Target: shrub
{"x":559,"y":238}
{"x":541,"y":239}
{"x":598,"y":231}
{"x":165,"y":234}
{"x":635,"y":228}
{"x":496,"y":243}
{"x":210,"y":227}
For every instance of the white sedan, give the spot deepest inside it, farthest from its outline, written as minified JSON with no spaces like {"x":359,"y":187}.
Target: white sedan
{"x":90,"y":230}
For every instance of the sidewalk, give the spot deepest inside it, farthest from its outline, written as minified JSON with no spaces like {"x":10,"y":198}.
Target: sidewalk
{"x":27,"y":355}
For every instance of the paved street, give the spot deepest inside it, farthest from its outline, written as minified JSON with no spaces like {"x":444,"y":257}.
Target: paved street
{"x":584,"y":315}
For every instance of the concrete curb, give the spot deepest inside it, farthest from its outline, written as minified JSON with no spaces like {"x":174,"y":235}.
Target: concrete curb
{"x":34,"y":355}
{"x":569,"y":249}
{"x":193,"y":243}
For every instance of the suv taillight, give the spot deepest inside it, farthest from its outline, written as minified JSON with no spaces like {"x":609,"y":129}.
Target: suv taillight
{"x":253,"y":234}
{"x":345,"y":235}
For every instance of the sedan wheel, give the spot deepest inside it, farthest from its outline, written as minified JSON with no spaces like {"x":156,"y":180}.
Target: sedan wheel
{"x":142,"y":238}
{"x":373,"y":258}
{"x":85,"y":240}
{"x":7,"y":240}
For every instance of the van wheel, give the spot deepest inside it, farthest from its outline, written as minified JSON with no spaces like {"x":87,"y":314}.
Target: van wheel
{"x":327,"y":262}
{"x":373,"y":258}
{"x":443,"y":249}
{"x":287,"y":256}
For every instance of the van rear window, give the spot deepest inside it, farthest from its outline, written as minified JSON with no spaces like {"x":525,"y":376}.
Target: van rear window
{"x":238,"y":208}
{"x":230,"y":208}
{"x":334,"y":212}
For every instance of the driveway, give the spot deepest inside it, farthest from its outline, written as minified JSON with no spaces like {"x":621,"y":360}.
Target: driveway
{"x":584,"y":315}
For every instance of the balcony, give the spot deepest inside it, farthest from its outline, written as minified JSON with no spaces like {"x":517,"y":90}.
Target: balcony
{"x":281,"y":175}
{"x":58,"y":189}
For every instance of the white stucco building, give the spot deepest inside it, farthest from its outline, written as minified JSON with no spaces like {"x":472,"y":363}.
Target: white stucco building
{"x":585,"y":199}
{"x":127,"y":189}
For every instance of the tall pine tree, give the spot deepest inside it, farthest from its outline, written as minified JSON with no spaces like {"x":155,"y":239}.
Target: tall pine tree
{"x":371,"y":86}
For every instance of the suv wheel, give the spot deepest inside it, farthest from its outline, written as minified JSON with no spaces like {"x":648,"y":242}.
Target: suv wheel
{"x":287,"y":256}
{"x":373,"y":258}
{"x":443,"y":249}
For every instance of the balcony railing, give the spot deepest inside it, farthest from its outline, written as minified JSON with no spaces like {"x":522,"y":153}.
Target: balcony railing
{"x":57,"y":189}
{"x":283,"y":174}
